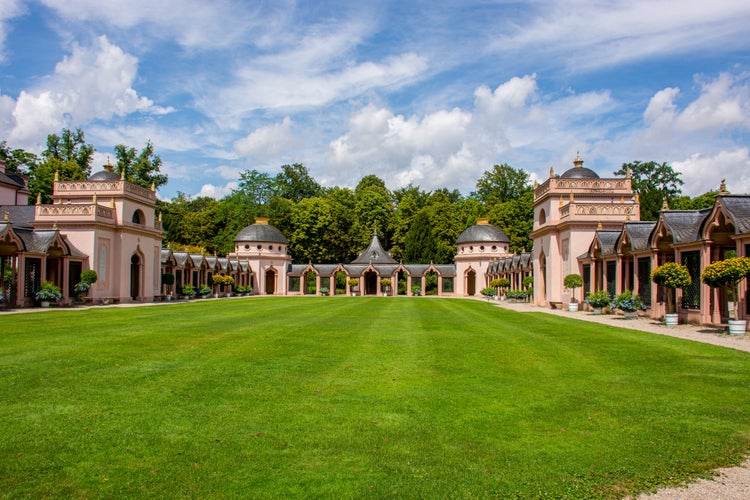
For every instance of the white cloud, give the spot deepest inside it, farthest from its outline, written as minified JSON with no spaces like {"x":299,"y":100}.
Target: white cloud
{"x":703,"y":173}
{"x":217,"y":192}
{"x":8,"y":10}
{"x":93,"y":82}
{"x":272,"y":140}
{"x":585,"y":34}
{"x":452,"y":148}
{"x":192,"y":23}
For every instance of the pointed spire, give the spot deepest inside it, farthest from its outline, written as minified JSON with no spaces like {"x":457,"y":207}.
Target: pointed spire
{"x":665,"y":205}
{"x":536,"y":184}
{"x":723,"y":187}
{"x":551,"y":172}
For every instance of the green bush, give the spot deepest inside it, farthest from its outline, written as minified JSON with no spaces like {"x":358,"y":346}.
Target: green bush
{"x":598,"y":299}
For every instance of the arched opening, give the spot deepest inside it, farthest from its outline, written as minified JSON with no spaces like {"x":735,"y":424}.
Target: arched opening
{"x":431,"y":283}
{"x":310,"y":280}
{"x":138,"y":217}
{"x":471,"y":283}
{"x":340,"y":283}
{"x":401,"y":285}
{"x":270,"y":282}
{"x":135,"y":277}
{"x":542,"y":279}
{"x":371,"y":283}
{"x":542,"y":217}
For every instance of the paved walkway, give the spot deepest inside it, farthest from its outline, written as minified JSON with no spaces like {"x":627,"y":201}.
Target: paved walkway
{"x":709,"y":335}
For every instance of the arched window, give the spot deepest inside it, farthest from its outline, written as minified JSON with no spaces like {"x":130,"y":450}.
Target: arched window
{"x":138,"y":217}
{"x":542,"y":217}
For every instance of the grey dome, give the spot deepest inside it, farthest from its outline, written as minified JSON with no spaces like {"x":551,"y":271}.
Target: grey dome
{"x":104,"y":175}
{"x":579,"y":173}
{"x":483,"y":233}
{"x":261,"y":231}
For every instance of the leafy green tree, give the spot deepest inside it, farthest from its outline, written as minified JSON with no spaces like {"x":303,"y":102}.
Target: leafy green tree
{"x":419,"y":244}
{"x":259,"y":187}
{"x":501,"y":184}
{"x":373,"y":211}
{"x":312,"y":237}
{"x":67,"y":155}
{"x":516,"y":218}
{"x":705,"y":200}
{"x":295,"y":183}
{"x":17,"y":161}
{"x":140,"y":168}
{"x":410,"y":201}
{"x":342,"y":203}
{"x":653,"y":182}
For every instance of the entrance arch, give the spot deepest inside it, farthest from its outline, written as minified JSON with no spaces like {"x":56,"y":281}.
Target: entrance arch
{"x":135,"y":277}
{"x":471,"y":282}
{"x":371,"y":283}
{"x":270,"y":282}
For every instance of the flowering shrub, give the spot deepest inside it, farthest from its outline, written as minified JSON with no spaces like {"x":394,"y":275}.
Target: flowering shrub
{"x":188,"y":290}
{"x":628,"y":302}
{"x":48,"y":292}
{"x":598,"y":299}
{"x":324,"y":290}
{"x":516,"y":294}
{"x":488,"y":292}
{"x":244,"y":289}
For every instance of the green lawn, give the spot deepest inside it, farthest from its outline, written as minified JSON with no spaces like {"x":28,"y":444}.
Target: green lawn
{"x":354,"y":398}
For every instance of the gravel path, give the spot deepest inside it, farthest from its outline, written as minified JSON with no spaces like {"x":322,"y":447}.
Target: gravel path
{"x":732,"y":483}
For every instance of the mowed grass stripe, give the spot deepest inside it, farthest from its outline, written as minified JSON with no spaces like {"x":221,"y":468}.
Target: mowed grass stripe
{"x":357,"y":397}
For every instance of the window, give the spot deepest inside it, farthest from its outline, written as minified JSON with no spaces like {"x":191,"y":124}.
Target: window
{"x":691,"y":294}
{"x":612,"y":277}
{"x":294,"y":283}
{"x":138,"y":217}
{"x":448,"y":285}
{"x":542,"y":217}
{"x":644,"y":280}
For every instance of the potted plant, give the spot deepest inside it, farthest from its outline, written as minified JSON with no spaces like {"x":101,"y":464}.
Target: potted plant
{"x":324,"y":290}
{"x":488,"y":292}
{"x":48,"y":292}
{"x":672,"y":276}
{"x":204,"y":290}
{"x":629,"y":304}
{"x":88,"y":277}
{"x":353,"y":285}
{"x":727,"y":274}
{"x":598,"y":300}
{"x":416,"y":290}
{"x":188,"y":291}
{"x":500,"y":283}
{"x":385,"y":286}
{"x":573,"y":281}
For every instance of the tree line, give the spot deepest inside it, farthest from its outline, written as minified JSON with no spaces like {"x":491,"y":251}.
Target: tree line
{"x":333,"y":224}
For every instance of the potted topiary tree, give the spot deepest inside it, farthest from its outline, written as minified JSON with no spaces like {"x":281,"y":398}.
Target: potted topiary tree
{"x":672,"y":276}
{"x":385,"y":286}
{"x":167,"y":279}
{"x":573,"y":281}
{"x":353,"y":285}
{"x":727,"y":274}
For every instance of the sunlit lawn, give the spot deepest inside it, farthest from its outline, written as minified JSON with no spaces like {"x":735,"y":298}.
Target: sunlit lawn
{"x":353,"y":397}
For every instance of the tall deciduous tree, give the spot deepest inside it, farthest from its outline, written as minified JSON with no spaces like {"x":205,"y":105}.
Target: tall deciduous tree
{"x":142,"y":168}
{"x":295,"y":183}
{"x":258,"y":186}
{"x":419,"y":244}
{"x":68,"y":155}
{"x":501,"y":184}
{"x":653,"y":182}
{"x":17,"y":161}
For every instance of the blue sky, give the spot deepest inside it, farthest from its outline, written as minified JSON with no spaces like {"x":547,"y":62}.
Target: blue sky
{"x":430,"y":93}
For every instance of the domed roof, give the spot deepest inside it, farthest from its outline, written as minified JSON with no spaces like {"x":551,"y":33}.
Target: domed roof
{"x":261,"y":231}
{"x":579,"y":171}
{"x":105,"y":175}
{"x":483,"y":232}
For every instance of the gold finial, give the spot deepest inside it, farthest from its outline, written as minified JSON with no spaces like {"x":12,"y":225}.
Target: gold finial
{"x":54,"y":226}
{"x":599,"y":227}
{"x":627,"y":172}
{"x":153,"y":186}
{"x":112,"y":202}
{"x":39,"y":198}
{"x":622,"y":200}
{"x":94,"y":198}
{"x":561,"y":202}
{"x":665,"y":205}
{"x":6,"y":216}
{"x":578,"y":162}
{"x":551,"y":171}
{"x":723,"y":187}
{"x":637,"y":198}
{"x":571,"y":197}
{"x":627,"y":217}
{"x":122,"y":174}
{"x":536,"y":184}
{"x":159,"y":216}
{"x":57,"y":176}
